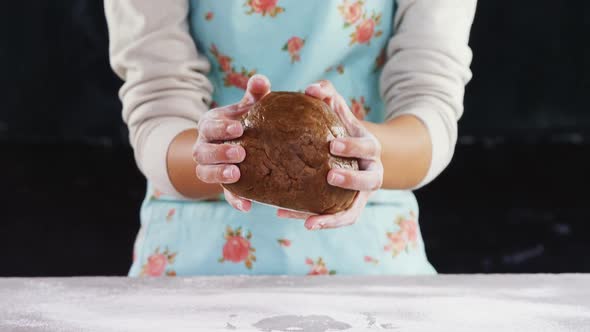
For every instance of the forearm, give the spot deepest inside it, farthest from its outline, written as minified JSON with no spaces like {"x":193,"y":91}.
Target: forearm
{"x":424,"y":77}
{"x":406,"y":151}
{"x":406,"y":154}
{"x":182,"y":168}
{"x":166,"y":89}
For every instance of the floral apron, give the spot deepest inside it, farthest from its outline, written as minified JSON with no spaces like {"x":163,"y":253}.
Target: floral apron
{"x":294,"y":43}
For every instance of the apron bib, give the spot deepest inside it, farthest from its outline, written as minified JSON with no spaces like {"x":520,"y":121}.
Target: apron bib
{"x":294,"y":43}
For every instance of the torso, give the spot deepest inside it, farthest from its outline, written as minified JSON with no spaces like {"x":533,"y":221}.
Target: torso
{"x":294,"y":43}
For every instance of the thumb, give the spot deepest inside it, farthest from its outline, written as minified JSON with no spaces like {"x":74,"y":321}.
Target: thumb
{"x":258,"y":87}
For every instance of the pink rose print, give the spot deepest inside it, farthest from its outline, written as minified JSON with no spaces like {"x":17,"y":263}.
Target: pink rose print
{"x":156,"y":194}
{"x":351,"y":12}
{"x":318,"y":267}
{"x":170,"y":215}
{"x":237,"y":248}
{"x":157,"y":263}
{"x":284,"y":242}
{"x":380,"y":60}
{"x":224,"y":64}
{"x":339,"y":69}
{"x":239,"y":80}
{"x":209,"y":16}
{"x":264,"y":7}
{"x":372,"y":260}
{"x":294,"y":46}
{"x":409,"y":228}
{"x":396,"y":244}
{"x":223,"y":60}
{"x":358,"y":108}
{"x":365,"y":30}
{"x":405,"y":237}
{"x":232,"y":77}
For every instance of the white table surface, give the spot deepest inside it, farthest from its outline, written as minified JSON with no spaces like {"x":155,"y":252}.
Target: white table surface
{"x":440,"y":303}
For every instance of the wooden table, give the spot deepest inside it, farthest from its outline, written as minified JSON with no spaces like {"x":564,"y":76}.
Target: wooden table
{"x":439,"y":303}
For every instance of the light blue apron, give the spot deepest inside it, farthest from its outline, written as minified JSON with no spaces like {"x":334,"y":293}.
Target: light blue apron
{"x":294,"y":43}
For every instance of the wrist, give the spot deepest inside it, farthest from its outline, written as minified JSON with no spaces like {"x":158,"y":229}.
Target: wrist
{"x":405,"y":151}
{"x":182,"y":168}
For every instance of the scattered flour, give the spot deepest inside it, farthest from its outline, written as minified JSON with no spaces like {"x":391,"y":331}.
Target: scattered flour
{"x":439,"y":303}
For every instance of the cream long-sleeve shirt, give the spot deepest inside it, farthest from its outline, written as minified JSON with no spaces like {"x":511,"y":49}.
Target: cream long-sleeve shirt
{"x":166,"y":88}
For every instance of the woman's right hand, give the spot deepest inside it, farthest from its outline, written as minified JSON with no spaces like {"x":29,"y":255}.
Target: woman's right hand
{"x":216,"y":160}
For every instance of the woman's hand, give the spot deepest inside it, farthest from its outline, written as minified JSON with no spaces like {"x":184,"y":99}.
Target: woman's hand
{"x":215,"y":160}
{"x":361,"y":144}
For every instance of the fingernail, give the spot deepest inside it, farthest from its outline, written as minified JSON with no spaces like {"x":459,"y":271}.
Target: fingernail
{"x":316,"y":227}
{"x":228,"y":172}
{"x":312,"y":86}
{"x":337,"y":146}
{"x":336,"y":178}
{"x":261,"y":78}
{"x":232,"y":153}
{"x":240,"y":206}
{"x":234,"y":129}
{"x":258,"y":80}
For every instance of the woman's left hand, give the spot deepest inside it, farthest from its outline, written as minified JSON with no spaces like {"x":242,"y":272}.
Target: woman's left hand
{"x":360,"y":144}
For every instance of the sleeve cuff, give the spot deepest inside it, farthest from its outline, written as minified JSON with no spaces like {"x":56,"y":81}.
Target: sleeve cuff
{"x":153,"y":157}
{"x":443,"y":144}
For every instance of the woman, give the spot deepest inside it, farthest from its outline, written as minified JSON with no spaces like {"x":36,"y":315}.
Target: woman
{"x":393,"y":72}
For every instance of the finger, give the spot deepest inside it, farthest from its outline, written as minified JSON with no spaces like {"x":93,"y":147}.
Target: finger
{"x":323,"y":90}
{"x":328,"y":221}
{"x":355,"y":180}
{"x":282,"y":213}
{"x":218,"y":173}
{"x":356,"y":147}
{"x":209,"y":154}
{"x":340,"y":219}
{"x":353,"y":126}
{"x":237,"y":202}
{"x":220,"y":129}
{"x":258,"y":87}
{"x":326,"y":91}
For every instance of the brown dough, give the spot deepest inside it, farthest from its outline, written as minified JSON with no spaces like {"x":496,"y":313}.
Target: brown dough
{"x":286,"y":138}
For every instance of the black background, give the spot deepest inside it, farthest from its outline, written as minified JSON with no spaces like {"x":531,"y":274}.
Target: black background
{"x":513,"y":200}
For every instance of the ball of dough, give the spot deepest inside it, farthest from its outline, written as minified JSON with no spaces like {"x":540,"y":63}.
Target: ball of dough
{"x":287,"y":141}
